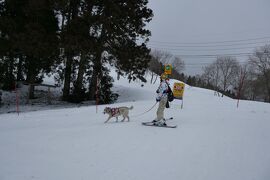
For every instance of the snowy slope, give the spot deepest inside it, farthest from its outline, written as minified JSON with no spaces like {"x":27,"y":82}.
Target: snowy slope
{"x":214,"y":140}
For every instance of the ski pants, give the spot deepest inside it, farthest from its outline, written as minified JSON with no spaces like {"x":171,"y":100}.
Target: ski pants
{"x":161,"y":108}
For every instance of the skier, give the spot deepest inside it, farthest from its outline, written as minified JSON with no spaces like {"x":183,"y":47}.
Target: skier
{"x":162,"y":98}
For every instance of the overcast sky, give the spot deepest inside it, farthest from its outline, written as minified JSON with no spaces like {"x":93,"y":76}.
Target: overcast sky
{"x":197,"y":29}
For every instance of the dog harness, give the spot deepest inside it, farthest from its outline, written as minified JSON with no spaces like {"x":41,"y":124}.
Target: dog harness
{"x":115,"y":111}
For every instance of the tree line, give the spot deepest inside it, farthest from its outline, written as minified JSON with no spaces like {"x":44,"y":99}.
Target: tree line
{"x":226,"y":76}
{"x":249,"y":80}
{"x":75,"y":40}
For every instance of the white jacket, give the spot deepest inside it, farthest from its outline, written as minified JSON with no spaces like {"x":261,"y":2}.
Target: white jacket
{"x":162,"y":90}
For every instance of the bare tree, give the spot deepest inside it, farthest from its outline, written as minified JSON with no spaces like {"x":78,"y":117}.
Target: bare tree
{"x":211,"y":75}
{"x":155,"y":68}
{"x":178,"y":64}
{"x":261,"y":62}
{"x":241,"y":80}
{"x":162,"y":56}
{"x":228,"y":68}
{"x":159,"y":58}
{"x":207,"y":76}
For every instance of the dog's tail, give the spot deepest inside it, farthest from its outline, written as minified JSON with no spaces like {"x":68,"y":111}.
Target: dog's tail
{"x":131,"y":107}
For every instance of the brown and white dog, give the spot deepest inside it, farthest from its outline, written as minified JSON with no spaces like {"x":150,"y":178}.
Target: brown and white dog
{"x":116,"y":112}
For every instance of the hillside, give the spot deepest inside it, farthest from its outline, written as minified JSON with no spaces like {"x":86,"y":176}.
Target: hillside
{"x":213,"y":140}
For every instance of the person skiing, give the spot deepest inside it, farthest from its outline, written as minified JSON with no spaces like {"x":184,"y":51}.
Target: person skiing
{"x":162,"y":98}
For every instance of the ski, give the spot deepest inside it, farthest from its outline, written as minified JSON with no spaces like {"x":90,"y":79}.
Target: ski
{"x":152,"y":124}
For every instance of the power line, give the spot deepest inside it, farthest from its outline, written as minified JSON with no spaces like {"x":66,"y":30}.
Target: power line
{"x":216,"y":55}
{"x":217,"y":45}
{"x":203,"y":64}
{"x":233,"y":48}
{"x":212,"y":56}
{"x":213,"y":42}
{"x":176,"y":49}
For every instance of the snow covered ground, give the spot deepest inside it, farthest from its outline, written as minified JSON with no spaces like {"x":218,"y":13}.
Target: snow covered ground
{"x":214,"y":140}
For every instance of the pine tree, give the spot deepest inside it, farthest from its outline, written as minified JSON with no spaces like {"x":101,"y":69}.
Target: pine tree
{"x":40,"y":42}
{"x":32,"y":35}
{"x":11,"y":13}
{"x":108,"y":33}
{"x":104,"y":93}
{"x":120,"y":23}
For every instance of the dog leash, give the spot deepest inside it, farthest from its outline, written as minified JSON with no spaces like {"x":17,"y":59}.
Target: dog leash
{"x":145,"y":111}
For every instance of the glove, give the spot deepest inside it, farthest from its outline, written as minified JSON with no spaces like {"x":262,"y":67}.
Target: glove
{"x":157,"y":91}
{"x":157,"y":99}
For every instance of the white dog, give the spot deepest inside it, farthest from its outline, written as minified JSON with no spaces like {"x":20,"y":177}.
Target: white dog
{"x":115,"y":112}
